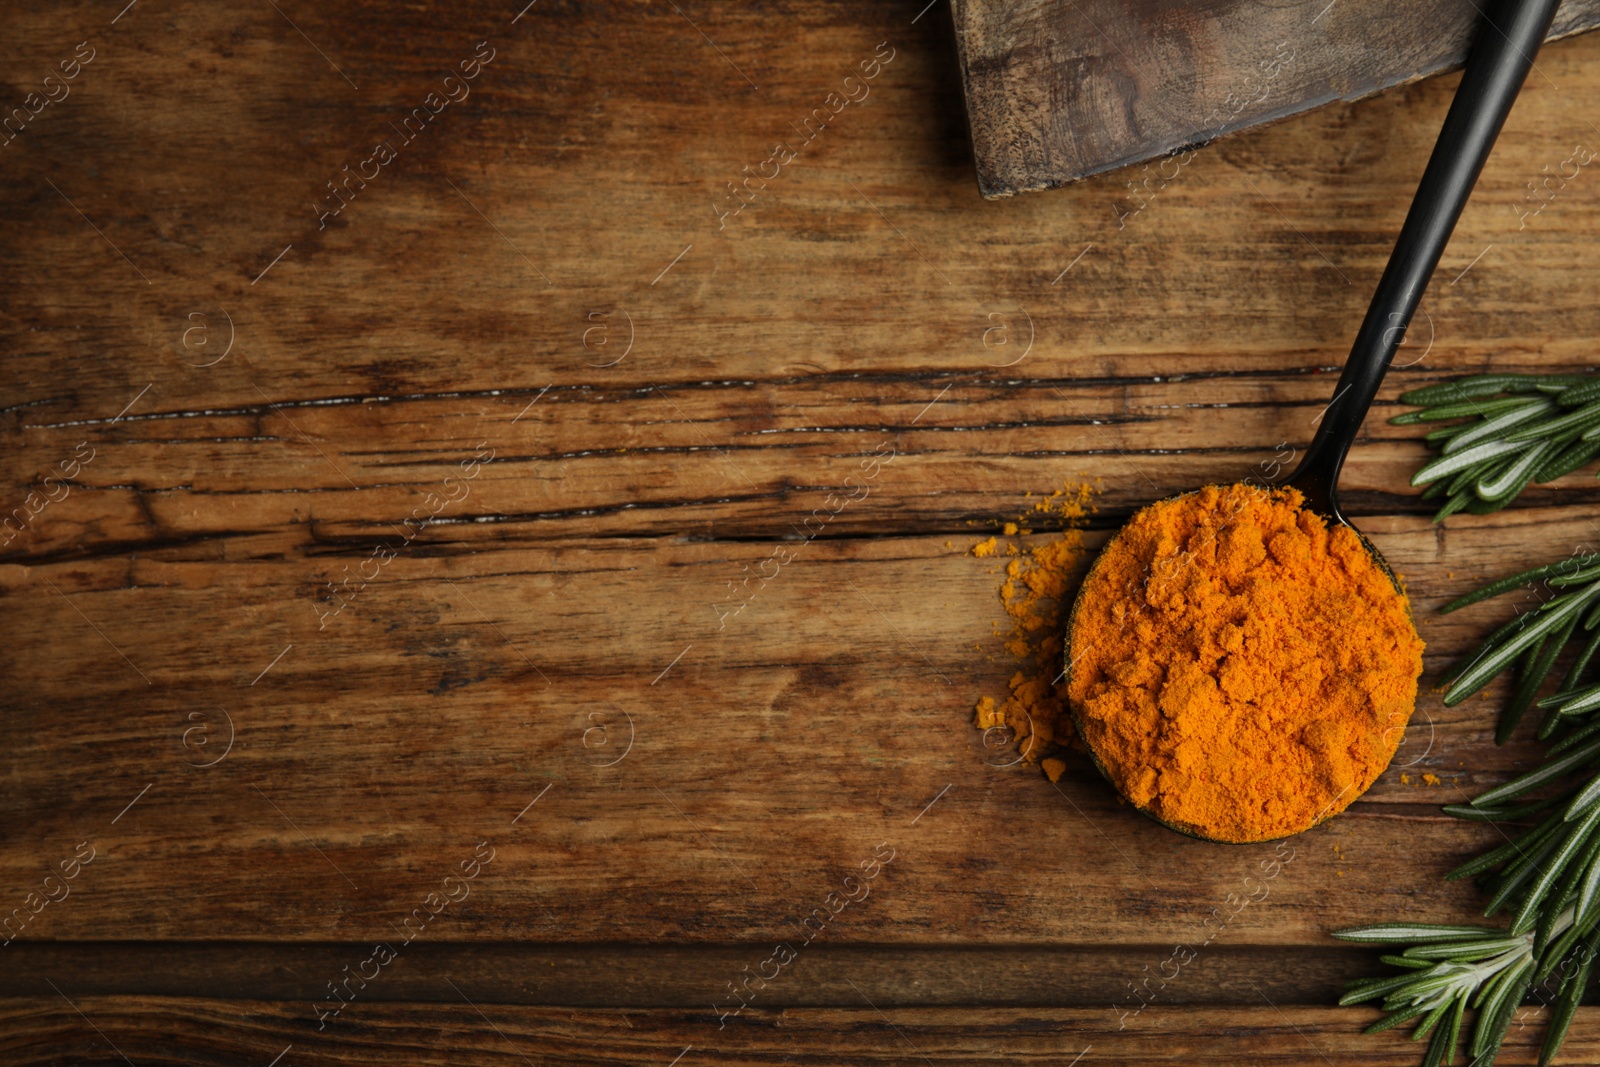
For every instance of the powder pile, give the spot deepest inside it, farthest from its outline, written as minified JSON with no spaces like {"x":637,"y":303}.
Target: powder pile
{"x":1036,"y":590}
{"x":1241,"y":670}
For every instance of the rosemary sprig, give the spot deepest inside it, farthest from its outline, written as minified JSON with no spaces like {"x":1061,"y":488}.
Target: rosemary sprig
{"x":1547,"y":877}
{"x":1501,"y":432}
{"x":1534,"y":639}
{"x":1498,"y":434}
{"x":1466,"y":967}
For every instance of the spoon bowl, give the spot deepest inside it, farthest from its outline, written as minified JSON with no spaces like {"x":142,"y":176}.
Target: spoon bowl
{"x":1223,"y":584}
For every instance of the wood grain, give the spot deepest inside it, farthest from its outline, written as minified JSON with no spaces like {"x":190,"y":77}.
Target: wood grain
{"x":265,"y":546}
{"x":170,"y":1031}
{"x":606,"y":974}
{"x":1056,"y":91}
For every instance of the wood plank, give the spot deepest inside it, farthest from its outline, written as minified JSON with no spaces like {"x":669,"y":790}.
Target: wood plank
{"x":1057,"y":92}
{"x":375,"y":752}
{"x":634,"y":460}
{"x":1209,"y":274}
{"x":153,"y":1029}
{"x":608,"y":975}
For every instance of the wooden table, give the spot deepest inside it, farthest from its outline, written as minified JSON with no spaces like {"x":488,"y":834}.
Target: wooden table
{"x":372,"y":577}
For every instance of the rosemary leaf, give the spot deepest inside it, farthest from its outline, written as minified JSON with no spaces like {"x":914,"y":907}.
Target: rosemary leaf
{"x":1578,"y":665}
{"x":1561,"y":581}
{"x":1575,"y":701}
{"x":1456,"y":502}
{"x":1575,"y":738}
{"x":1407,"y":962}
{"x":1584,"y":417}
{"x":1488,"y":410}
{"x":1497,"y":985}
{"x":1557,"y":951}
{"x":1556,"y":384}
{"x":1429,"y":1022}
{"x":1372,"y":988}
{"x":1518,"y":847}
{"x":1572,"y":844}
{"x":1469,"y":387}
{"x":1567,"y":1005}
{"x":1394,"y":1019}
{"x":1552,"y":717}
{"x":1503,"y":432}
{"x":1588,"y":889}
{"x":1466,"y":949}
{"x":1509,"y":881}
{"x":1567,"y":460}
{"x":1469,"y":434}
{"x":1535,"y":667}
{"x":1585,"y":797}
{"x":1548,"y":772}
{"x":1495,"y":1020}
{"x":1468,"y":478}
{"x":1462,"y":460}
{"x":1442,"y":1049}
{"x":1527,"y":577}
{"x":1573,"y":395}
{"x":1493,"y":661}
{"x":1550,"y":917}
{"x":1507,"y":814}
{"x":1400,"y":933}
{"x":1510,"y":482}
{"x":1440,"y":434}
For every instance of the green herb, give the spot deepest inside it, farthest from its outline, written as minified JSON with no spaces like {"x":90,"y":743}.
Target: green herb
{"x":1569,"y":610}
{"x":1503,"y":431}
{"x":1476,"y":969}
{"x":1500,"y":433}
{"x":1547,"y":877}
{"x":1551,"y":877}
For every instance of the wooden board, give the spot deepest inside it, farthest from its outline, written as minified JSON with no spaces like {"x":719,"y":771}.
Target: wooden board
{"x":431,"y":353}
{"x":1057,"y":90}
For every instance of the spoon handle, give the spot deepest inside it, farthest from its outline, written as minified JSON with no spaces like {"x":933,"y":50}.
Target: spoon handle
{"x":1500,"y":59}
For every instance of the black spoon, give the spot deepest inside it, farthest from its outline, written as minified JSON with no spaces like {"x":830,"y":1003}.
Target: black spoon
{"x":1498,"y":65}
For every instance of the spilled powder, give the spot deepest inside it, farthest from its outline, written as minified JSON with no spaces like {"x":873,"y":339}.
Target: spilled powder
{"x":1427,"y":779}
{"x":1036,"y":589}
